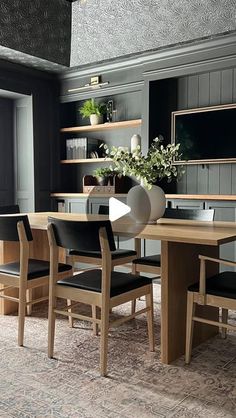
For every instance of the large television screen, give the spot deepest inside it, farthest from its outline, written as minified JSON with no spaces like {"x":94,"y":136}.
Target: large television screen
{"x":206,"y":134}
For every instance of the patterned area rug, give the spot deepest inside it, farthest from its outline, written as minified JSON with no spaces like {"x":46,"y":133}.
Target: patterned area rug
{"x":32,"y":385}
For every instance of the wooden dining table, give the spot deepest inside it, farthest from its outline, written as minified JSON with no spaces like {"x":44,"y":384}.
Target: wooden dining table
{"x":181,"y":243}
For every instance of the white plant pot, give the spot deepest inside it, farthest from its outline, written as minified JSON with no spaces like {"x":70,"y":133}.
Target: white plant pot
{"x":95,"y":119}
{"x":146,"y":205}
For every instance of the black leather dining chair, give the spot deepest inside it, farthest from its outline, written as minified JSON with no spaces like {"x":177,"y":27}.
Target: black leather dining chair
{"x":217,"y":291}
{"x":25,"y":273}
{"x":100,"y":287}
{"x":118,"y":257}
{"x":103,"y":210}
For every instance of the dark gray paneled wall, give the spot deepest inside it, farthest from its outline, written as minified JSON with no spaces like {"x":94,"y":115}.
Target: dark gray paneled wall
{"x":105,"y":29}
{"x":45,"y":91}
{"x":41,"y":28}
{"x":6,"y":154}
{"x":218,"y":87}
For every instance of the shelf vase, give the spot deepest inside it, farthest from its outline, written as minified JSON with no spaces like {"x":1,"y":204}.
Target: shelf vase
{"x":146,"y":205}
{"x":135,"y":142}
{"x":95,"y":119}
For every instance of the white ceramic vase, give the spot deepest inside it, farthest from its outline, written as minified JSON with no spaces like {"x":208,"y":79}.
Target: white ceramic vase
{"x":146,"y":205}
{"x":95,"y":119}
{"x":135,"y":141}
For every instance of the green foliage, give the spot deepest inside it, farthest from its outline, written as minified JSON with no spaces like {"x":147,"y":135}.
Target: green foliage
{"x":90,"y":107}
{"x":106,"y":171}
{"x":103,"y":172}
{"x":157,"y":164}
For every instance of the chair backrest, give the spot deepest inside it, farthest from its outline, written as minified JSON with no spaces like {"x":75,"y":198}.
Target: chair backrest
{"x":9,"y":209}
{"x":103,"y":210}
{"x":8,"y":227}
{"x":81,"y":235}
{"x":191,"y":214}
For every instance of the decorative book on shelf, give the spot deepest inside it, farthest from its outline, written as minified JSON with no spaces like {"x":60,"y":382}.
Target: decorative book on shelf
{"x":82,"y":148}
{"x":114,"y":184}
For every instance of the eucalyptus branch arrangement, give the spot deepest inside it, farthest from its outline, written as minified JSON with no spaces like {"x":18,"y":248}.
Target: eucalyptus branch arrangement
{"x":157,"y":164}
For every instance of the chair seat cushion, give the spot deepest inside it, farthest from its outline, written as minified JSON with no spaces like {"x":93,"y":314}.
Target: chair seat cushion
{"x":97,"y":254}
{"x":120,"y":282}
{"x":151,"y":260}
{"x":36,"y":268}
{"x":222,"y":284}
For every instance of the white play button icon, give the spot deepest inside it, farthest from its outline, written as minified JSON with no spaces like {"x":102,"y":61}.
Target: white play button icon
{"x":117,"y":209}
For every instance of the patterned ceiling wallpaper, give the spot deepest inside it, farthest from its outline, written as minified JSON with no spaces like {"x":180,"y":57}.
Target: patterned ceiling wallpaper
{"x":103,"y":29}
{"x":40,"y":28}
{"x":37,"y":33}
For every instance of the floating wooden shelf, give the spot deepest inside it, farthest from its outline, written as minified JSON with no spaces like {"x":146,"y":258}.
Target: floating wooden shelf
{"x":86,"y":160}
{"x":104,"y":126}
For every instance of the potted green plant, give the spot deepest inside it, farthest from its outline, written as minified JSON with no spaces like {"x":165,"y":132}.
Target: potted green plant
{"x":93,"y":110}
{"x":105,"y":175}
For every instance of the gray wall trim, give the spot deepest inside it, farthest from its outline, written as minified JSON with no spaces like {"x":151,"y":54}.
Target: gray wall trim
{"x":193,"y":68}
{"x":122,"y":88}
{"x":24,"y":70}
{"x":220,"y":46}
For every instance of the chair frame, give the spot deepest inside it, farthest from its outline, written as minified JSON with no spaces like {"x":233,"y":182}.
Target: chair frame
{"x":72,"y":259}
{"x":202,"y":298}
{"x":22,"y":283}
{"x":143,"y":268}
{"x":101,"y":299}
{"x":98,"y":260}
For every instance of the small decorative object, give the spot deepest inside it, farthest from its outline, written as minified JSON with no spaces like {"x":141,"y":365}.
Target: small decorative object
{"x":93,"y":110}
{"x":105,"y":175}
{"x":109,"y":110}
{"x":109,"y":185}
{"x":114,"y":115}
{"x":135,"y":142}
{"x":147,"y":201}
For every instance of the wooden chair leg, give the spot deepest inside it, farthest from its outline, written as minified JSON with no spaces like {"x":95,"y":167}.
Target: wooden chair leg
{"x":21,"y":315}
{"x":112,"y":269}
{"x":29,"y":299}
{"x":104,"y":339}
{"x":189,"y":327}
{"x":71,"y":320}
{"x":133,"y":306}
{"x":133,"y":303}
{"x":51,"y":323}
{"x":225,"y":321}
{"x":94,"y":315}
{"x":150,"y":322}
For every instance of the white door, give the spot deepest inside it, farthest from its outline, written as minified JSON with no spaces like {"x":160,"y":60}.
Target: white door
{"x":24,"y":154}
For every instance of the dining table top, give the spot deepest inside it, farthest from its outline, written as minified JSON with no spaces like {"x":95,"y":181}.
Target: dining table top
{"x":174,"y":230}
